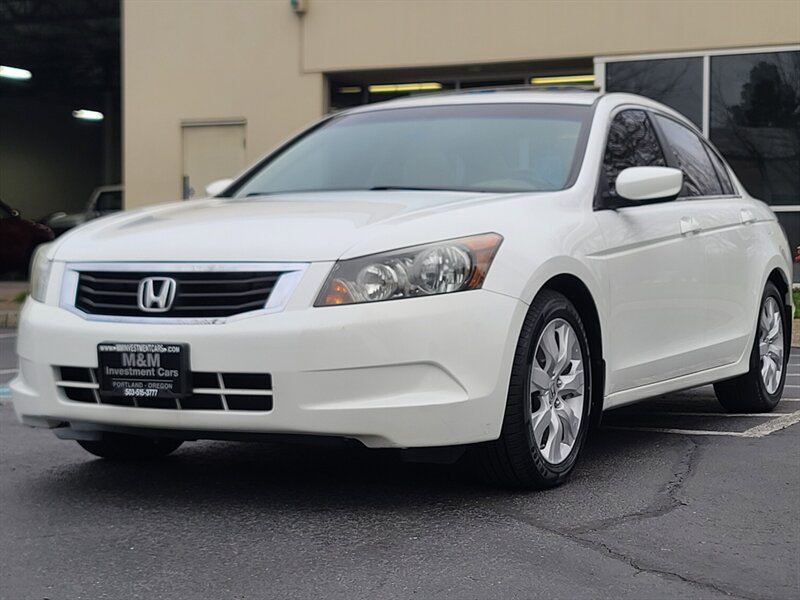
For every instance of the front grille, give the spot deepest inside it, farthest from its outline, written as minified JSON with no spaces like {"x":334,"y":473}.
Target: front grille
{"x":210,"y":391}
{"x":198,"y":294}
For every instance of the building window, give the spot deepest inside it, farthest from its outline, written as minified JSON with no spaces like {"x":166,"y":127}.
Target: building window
{"x":755,"y":121}
{"x":676,"y":82}
{"x":746,"y":102}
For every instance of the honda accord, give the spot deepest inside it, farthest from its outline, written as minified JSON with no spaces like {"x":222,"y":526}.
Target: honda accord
{"x":482,"y":273}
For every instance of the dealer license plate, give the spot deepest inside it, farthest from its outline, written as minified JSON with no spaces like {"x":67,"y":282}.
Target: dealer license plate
{"x":143,"y":370}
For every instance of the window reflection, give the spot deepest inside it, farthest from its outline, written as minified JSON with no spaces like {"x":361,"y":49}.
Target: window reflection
{"x":755,"y":121}
{"x":676,"y":82}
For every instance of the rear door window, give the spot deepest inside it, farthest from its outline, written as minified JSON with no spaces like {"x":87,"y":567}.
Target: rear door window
{"x":699,"y":176}
{"x":722,"y":172}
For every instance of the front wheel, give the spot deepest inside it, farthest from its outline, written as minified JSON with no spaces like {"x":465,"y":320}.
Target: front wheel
{"x":760,"y":389}
{"x":117,"y":446}
{"x":549,"y":396}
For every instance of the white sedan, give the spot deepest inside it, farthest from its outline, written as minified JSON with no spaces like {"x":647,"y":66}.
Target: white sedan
{"x":473,"y":271}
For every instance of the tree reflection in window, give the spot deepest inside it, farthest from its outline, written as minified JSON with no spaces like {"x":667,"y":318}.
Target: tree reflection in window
{"x":631,"y":143}
{"x":677,"y":82}
{"x":755,"y":121}
{"x":699,"y":176}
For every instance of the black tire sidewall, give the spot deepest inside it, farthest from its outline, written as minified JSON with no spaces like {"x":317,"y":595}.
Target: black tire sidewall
{"x":755,"y":359}
{"x":557,"y":307}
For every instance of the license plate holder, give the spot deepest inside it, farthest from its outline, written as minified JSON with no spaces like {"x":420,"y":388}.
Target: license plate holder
{"x":143,"y":369}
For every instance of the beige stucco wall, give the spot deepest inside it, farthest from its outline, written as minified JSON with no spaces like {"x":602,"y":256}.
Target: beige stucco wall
{"x":207,"y":59}
{"x":256,"y":59}
{"x":358,"y":34}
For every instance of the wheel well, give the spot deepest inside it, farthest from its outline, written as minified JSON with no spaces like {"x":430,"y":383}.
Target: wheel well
{"x":776,"y":277}
{"x":580,"y":296}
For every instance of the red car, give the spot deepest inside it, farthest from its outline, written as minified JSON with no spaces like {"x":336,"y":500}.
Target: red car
{"x":18,"y":239}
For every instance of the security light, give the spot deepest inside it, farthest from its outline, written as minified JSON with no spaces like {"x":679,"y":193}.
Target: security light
{"x":87,"y":115}
{"x":14,"y":73}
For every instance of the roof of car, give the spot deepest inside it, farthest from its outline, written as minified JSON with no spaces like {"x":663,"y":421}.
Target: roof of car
{"x":489,"y":96}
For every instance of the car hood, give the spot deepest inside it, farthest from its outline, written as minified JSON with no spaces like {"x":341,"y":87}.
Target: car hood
{"x":301,"y":227}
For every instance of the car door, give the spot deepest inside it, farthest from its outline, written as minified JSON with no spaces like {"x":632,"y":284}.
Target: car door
{"x":653,"y":260}
{"x":731,"y":260}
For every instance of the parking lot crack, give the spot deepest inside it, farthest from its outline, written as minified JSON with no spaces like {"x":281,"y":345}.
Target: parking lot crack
{"x":636,"y":565}
{"x":640,"y":568}
{"x":668,"y":498}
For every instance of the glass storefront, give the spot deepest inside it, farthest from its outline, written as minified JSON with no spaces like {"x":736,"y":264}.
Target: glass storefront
{"x":677,"y":82}
{"x":747,"y":103}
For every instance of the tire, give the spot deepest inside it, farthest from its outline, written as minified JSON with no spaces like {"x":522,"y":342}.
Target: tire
{"x":540,"y":441}
{"x":756,"y":391}
{"x":118,"y":446}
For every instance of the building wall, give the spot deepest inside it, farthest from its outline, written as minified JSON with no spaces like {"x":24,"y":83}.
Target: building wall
{"x":186,"y":60}
{"x":257,"y":60}
{"x":363,"y":34}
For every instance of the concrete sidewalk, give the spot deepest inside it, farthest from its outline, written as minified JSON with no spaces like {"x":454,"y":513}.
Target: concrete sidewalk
{"x":10,"y":292}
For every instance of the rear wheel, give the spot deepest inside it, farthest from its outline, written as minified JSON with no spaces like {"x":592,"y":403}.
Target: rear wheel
{"x":760,"y":389}
{"x":118,"y":446}
{"x":549,"y":397}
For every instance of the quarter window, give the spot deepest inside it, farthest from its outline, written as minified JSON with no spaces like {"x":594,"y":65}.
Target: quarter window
{"x":631,"y":143}
{"x":699,"y":176}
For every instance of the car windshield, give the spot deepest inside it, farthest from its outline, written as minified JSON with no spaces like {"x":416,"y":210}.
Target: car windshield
{"x":109,"y":201}
{"x":477,"y":147}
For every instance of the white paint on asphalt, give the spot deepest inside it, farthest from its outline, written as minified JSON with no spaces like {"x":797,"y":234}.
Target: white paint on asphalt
{"x":774,"y":424}
{"x":701,"y":414}
{"x":7,"y":336}
{"x":9,"y":371}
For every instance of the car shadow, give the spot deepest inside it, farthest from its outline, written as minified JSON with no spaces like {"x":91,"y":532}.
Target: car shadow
{"x":307,"y":477}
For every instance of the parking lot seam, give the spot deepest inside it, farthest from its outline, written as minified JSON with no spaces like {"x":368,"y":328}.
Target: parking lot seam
{"x":668,"y":499}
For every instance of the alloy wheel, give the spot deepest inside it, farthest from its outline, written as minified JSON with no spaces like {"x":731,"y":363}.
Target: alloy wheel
{"x":770,"y":344}
{"x":557,"y":391}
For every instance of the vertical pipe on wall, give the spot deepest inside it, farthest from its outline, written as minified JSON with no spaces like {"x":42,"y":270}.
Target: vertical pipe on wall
{"x":706,"y":94}
{"x":109,"y":147}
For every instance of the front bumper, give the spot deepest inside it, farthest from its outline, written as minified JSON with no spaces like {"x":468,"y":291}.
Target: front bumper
{"x":409,"y":373}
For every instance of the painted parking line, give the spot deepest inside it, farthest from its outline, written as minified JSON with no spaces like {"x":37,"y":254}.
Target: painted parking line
{"x":9,"y":371}
{"x":7,"y":336}
{"x":702,"y":414}
{"x":771,"y":426}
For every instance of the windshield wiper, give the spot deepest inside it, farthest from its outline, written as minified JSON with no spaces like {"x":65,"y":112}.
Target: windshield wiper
{"x":379,"y":188}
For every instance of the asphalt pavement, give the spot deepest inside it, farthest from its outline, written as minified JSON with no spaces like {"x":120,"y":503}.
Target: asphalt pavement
{"x":672,"y":499}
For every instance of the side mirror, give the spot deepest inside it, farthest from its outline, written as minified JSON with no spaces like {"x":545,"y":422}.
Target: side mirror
{"x":14,"y":212}
{"x":643,"y":184}
{"x":217,"y":187}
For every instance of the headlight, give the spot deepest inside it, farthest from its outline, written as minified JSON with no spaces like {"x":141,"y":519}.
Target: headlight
{"x":40,"y":273}
{"x":439,"y":268}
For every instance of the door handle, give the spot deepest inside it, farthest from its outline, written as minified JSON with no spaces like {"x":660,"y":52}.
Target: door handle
{"x":747,"y":216}
{"x":689,"y":225}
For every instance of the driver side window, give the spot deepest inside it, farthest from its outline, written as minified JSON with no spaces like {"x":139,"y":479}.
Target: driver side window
{"x":632,"y":142}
